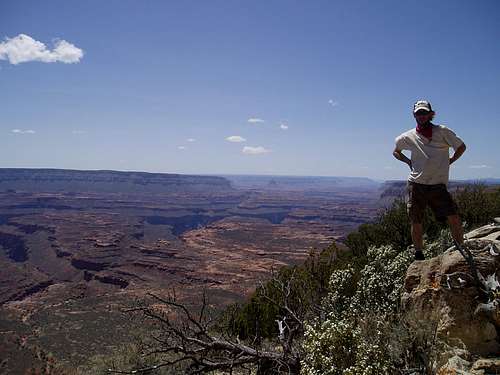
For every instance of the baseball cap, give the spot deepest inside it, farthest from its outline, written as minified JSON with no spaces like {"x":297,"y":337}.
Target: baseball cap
{"x":422,"y":104}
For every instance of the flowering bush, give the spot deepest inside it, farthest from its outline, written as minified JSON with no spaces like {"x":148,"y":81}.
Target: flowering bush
{"x":359,"y":331}
{"x":381,"y":280}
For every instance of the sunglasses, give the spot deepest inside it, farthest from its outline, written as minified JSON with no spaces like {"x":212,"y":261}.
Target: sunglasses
{"x":422,"y":113}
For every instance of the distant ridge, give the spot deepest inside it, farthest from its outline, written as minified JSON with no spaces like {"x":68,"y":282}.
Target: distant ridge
{"x":282,"y":182}
{"x":106,"y":181}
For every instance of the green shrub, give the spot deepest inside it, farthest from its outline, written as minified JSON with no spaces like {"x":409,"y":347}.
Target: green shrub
{"x":359,"y":325}
{"x":478,"y":204}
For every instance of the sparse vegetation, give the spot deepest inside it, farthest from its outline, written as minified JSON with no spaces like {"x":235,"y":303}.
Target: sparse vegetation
{"x":478,"y":204}
{"x":342,"y":309}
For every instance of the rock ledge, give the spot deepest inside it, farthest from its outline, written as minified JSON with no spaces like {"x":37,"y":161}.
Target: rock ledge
{"x":441,"y":290}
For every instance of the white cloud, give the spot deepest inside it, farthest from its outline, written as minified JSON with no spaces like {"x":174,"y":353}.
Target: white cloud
{"x":479,"y":166}
{"x":181,"y":147}
{"x":254,"y":120}
{"x":235,"y":138}
{"x":249,"y":150}
{"x":23,"y":48}
{"x":20,"y":131}
{"x":284,"y":126}
{"x":191,"y":140}
{"x":333,"y":103}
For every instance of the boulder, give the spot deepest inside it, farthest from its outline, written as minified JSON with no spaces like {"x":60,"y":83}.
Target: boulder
{"x":483,"y":231}
{"x":493,"y":236}
{"x":442,"y":290}
{"x":486,"y":366}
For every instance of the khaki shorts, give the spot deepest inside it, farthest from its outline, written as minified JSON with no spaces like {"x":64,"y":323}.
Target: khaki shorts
{"x":436,"y":196}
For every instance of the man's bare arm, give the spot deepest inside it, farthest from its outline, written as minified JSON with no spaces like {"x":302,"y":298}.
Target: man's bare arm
{"x":398,"y":154}
{"x":458,"y":152}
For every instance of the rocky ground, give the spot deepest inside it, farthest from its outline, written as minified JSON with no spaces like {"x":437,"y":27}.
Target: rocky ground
{"x":442,"y":296}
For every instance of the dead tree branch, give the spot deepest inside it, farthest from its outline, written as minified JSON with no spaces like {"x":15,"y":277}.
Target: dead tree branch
{"x":186,"y":337}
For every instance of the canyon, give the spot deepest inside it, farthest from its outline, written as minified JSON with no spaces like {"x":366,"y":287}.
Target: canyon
{"x":77,"y":248}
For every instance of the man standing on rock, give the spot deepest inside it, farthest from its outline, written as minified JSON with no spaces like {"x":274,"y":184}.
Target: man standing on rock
{"x":430,"y":161}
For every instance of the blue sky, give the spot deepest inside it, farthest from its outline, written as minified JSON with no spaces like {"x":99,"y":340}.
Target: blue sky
{"x":310,"y":87}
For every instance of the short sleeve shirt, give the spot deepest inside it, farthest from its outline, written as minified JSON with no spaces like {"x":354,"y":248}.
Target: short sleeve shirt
{"x":430,"y":159}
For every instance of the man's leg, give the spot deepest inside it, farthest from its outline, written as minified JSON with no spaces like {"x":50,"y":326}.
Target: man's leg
{"x":443,"y":205}
{"x":416,"y":207}
{"x":456,"y":229}
{"x":417,"y":235}
{"x":418,"y":241}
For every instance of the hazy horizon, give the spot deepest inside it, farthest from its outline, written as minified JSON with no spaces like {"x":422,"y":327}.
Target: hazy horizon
{"x":244,"y":174}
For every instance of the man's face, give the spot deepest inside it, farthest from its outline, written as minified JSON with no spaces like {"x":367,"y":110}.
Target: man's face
{"x":422,"y":116}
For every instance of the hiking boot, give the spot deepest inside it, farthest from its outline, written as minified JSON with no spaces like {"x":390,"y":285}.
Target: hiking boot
{"x":419,"y":255}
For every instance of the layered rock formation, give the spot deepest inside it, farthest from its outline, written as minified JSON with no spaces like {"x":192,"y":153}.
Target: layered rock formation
{"x":54,"y":180}
{"x":441,"y":292}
